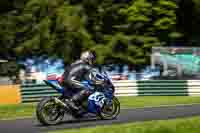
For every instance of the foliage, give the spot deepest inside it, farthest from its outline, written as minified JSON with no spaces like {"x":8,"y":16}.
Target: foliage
{"x":144,"y":24}
{"x":119,"y":31}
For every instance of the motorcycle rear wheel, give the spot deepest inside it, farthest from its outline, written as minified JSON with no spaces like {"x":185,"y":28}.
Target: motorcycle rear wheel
{"x":48,"y":112}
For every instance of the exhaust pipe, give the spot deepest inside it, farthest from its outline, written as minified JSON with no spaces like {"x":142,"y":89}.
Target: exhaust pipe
{"x":58,"y":101}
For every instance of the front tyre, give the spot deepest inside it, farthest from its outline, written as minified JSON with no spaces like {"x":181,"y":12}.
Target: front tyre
{"x":110,"y":111}
{"x":48,"y":112}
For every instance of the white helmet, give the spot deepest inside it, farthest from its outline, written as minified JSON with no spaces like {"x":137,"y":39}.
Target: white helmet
{"x":88,"y":57}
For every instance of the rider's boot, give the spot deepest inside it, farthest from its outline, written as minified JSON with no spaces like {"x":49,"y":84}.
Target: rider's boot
{"x":76,"y":110}
{"x":76,"y":101}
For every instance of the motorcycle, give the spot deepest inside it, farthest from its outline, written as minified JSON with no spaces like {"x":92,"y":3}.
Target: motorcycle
{"x":101,"y":103}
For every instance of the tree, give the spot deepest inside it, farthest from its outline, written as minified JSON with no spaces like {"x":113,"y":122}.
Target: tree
{"x":45,"y":27}
{"x":119,"y":31}
{"x":140,"y":26}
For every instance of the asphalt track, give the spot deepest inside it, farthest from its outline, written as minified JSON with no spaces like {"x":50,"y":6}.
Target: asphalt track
{"x":126,"y":115}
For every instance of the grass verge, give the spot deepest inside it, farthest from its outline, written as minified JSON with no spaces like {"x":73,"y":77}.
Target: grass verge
{"x":148,"y":101}
{"x":17,"y":111}
{"x":186,"y":125}
{"x":28,"y":110}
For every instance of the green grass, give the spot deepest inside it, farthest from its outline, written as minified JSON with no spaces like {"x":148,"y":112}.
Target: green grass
{"x":146,"y":101}
{"x":28,"y":110}
{"x":187,"y":125}
{"x":16,"y":111}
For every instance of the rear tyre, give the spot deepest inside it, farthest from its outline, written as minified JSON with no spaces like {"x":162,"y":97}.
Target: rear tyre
{"x":48,"y":112}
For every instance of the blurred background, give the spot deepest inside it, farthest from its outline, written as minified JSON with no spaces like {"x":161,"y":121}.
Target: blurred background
{"x":39,"y":37}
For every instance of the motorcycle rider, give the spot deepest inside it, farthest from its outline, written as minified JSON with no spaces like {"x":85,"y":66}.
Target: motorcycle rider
{"x":74,"y":74}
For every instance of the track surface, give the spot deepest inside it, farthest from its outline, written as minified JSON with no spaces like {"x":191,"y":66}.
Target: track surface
{"x":126,"y":115}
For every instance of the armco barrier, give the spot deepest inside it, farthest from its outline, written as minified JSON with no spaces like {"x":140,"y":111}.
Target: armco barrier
{"x":33,"y":93}
{"x":162,"y":88}
{"x":193,"y":87}
{"x":126,"y":88}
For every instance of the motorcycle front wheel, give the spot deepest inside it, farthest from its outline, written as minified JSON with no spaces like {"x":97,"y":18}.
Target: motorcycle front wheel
{"x":110,"y":111}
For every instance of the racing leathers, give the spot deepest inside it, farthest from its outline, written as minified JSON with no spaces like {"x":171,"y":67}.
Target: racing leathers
{"x":73,"y":75}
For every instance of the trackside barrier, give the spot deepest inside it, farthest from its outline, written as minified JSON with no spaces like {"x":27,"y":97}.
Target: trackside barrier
{"x":193,"y":87}
{"x":126,"y":88}
{"x":33,"y":93}
{"x":162,"y":88}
